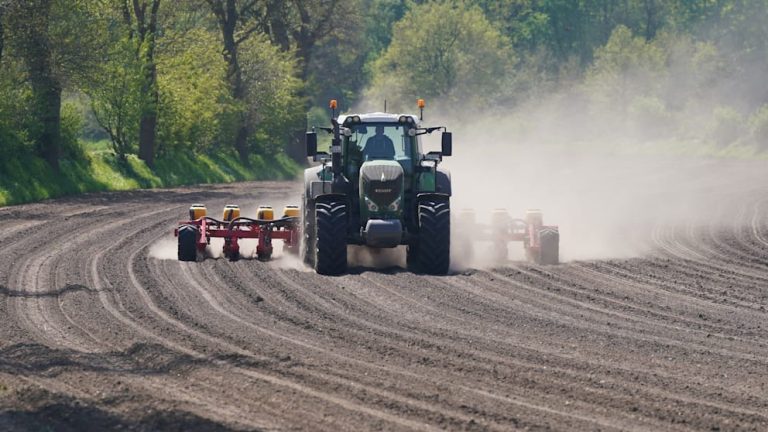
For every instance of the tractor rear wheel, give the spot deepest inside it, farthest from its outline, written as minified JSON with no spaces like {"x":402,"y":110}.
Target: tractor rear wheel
{"x":188,"y":243}
{"x":431,"y":252}
{"x":549,"y":240}
{"x":330,"y":236}
{"x":308,"y":233}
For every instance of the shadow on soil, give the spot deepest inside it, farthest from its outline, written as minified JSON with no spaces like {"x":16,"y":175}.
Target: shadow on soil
{"x":29,"y":359}
{"x":50,"y":412}
{"x":32,"y":359}
{"x":36,"y":409}
{"x":7,"y":292}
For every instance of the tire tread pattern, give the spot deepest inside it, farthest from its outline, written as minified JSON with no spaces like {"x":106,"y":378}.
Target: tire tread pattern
{"x":549,"y":239}
{"x":331,"y":237}
{"x":432,"y":254}
{"x":187,"y":243}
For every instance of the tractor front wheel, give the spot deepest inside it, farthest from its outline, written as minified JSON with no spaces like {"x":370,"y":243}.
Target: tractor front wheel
{"x":188,"y":243}
{"x":431,"y":251}
{"x":330,"y":237}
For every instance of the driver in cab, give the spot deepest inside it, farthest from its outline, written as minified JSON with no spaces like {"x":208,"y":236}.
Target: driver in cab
{"x":379,"y":146}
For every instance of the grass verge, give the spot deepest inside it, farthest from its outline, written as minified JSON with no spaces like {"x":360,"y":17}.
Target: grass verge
{"x":26,"y":178}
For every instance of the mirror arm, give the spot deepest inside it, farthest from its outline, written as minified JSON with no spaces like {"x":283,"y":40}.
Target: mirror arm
{"x":429,"y":130}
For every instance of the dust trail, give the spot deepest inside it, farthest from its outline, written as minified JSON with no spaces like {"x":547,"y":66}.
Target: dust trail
{"x":362,"y":256}
{"x":164,"y":249}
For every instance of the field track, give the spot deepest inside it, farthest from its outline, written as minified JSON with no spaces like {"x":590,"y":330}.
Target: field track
{"x":97,"y":334}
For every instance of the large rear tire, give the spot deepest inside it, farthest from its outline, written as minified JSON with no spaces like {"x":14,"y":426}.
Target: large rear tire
{"x":431,"y":252}
{"x":330,"y":237}
{"x":549,"y":239}
{"x":187,"y":243}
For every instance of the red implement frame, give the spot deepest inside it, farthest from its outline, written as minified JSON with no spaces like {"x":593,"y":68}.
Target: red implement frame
{"x":520,"y":230}
{"x":503,"y":229}
{"x":285,"y":229}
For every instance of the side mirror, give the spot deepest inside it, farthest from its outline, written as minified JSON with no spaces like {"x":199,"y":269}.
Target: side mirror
{"x":447,"y":142}
{"x":311,"y":144}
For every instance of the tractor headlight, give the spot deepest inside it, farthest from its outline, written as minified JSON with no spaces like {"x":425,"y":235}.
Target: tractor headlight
{"x":395,"y":206}
{"x":371,"y":205}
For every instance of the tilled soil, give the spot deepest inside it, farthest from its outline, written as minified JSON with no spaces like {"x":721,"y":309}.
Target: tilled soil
{"x":98,"y":334}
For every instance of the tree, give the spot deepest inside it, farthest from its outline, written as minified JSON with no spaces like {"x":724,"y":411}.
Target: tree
{"x":141,"y":16}
{"x":380,"y":17}
{"x":269,"y":75}
{"x":231,"y":16}
{"x":197,"y":110}
{"x":30,"y":23}
{"x":116,"y":98}
{"x":625,"y":67}
{"x":303,"y":25}
{"x":3,"y":6}
{"x":443,"y":50}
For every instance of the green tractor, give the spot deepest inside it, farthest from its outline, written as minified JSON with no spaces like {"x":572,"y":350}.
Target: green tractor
{"x":377,"y":188}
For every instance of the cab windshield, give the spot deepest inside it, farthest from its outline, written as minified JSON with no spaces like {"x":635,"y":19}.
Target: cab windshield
{"x":380,"y":141}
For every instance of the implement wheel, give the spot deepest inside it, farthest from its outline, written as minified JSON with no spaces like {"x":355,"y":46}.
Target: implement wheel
{"x":549,"y":239}
{"x":431,"y":252}
{"x":188,"y":243}
{"x":330,"y":236}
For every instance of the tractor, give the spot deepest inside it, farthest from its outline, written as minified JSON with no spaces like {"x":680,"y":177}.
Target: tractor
{"x":377,"y":188}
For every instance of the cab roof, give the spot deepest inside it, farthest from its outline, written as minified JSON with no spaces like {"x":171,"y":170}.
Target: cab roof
{"x":378,"y":117}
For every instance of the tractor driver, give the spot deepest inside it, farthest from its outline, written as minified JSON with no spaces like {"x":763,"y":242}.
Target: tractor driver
{"x":379,"y":146}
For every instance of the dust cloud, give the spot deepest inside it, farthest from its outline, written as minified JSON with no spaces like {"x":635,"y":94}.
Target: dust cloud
{"x":164,"y":249}
{"x":606,"y":196}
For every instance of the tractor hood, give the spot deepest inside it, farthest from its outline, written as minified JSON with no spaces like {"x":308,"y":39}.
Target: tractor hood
{"x":381,"y":186}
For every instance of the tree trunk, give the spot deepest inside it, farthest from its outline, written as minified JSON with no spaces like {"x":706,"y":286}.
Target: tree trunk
{"x":147,"y":31}
{"x":241,"y":144}
{"x":2,"y":32}
{"x":47,"y":94}
{"x":148,"y":122}
{"x":239,"y":93}
{"x":296,"y":149}
{"x":227,"y":14}
{"x":650,"y":19}
{"x":46,"y":88}
{"x":147,"y":134}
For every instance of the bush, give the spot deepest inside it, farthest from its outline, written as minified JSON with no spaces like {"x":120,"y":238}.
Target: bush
{"x":447,"y":50}
{"x":193,"y":93}
{"x":71,"y":127}
{"x":758,"y":126}
{"x":727,"y":126}
{"x":650,"y":117}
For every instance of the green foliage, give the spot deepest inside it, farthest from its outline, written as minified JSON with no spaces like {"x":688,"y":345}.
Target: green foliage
{"x":71,"y":126}
{"x":193,"y":92}
{"x":625,"y":66}
{"x":758,"y":124}
{"x":27,"y":178}
{"x":638,"y":72}
{"x":650,"y":118}
{"x":270,"y":77}
{"x":727,"y":125}
{"x":443,"y":50}
{"x":15,"y":116}
{"x":114,"y":94}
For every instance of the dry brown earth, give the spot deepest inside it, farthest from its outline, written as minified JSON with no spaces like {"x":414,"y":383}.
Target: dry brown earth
{"x":97,"y":334}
